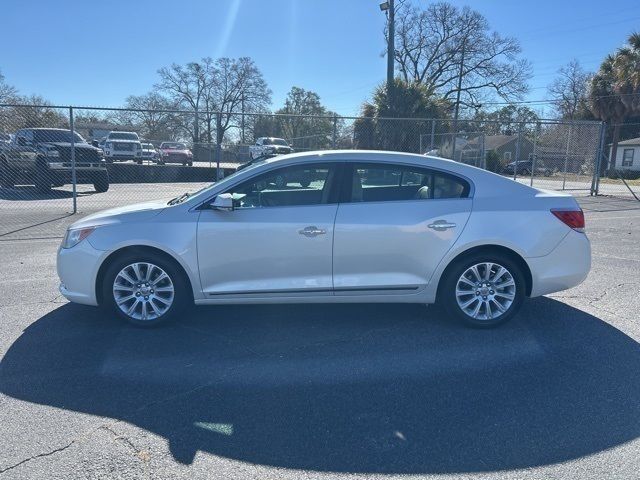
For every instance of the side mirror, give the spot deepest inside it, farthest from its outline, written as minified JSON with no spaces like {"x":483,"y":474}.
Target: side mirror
{"x":223,"y":202}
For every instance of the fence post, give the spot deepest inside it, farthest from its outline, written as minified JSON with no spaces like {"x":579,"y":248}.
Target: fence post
{"x":595,"y":180}
{"x":535,"y":152}
{"x":74,"y":179}
{"x":334,"y":137}
{"x":433,"y":134}
{"x":218,"y":145}
{"x":515,"y":167}
{"x":566,"y":159}
{"x":483,"y":154}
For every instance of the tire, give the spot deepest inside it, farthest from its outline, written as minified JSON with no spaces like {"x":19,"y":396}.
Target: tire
{"x":6,"y":176}
{"x":525,"y":172}
{"x":42,"y":180}
{"x":304,"y":183}
{"x":179,"y":300}
{"x":547,"y":173}
{"x":452,"y":283}
{"x":190,"y":164}
{"x":139,"y":162}
{"x":101,"y":183}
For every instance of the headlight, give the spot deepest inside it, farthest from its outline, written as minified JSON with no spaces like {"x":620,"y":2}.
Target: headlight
{"x":75,"y":236}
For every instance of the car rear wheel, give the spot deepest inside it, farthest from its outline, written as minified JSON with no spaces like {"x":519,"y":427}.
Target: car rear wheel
{"x":43,"y":179}
{"x":101,"y":183}
{"x":483,"y":291}
{"x":525,"y":171}
{"x":145,"y":290}
{"x":6,"y":176}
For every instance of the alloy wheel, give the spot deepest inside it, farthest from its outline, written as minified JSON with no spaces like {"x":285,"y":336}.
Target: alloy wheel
{"x":143,"y":291}
{"x":485,"y":291}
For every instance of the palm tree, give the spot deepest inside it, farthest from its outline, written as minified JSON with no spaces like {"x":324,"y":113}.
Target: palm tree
{"x":614,"y":93}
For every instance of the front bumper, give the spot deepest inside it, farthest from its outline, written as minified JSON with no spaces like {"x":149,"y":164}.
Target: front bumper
{"x":78,"y":269}
{"x":83,"y":174}
{"x":565,"y":267}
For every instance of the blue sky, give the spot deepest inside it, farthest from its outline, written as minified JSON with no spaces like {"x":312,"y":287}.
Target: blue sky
{"x":97,"y":53}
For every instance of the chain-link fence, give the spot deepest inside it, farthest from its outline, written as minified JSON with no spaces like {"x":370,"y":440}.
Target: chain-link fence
{"x":121,"y":156}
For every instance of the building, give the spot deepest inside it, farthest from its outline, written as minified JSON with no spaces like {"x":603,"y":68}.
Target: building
{"x":628,"y":155}
{"x":506,"y":146}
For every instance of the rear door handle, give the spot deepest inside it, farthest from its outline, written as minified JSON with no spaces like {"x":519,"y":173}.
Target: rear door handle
{"x":441,"y":225}
{"x":312,"y":231}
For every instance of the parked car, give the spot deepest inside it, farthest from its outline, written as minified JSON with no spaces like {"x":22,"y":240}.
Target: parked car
{"x":525,"y":167}
{"x":42,"y":157}
{"x":175,"y":152}
{"x":418,"y":241}
{"x":269,"y":146}
{"x":149,"y":152}
{"x":122,"y":146}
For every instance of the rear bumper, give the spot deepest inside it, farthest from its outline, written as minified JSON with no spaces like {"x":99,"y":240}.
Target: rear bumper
{"x":565,"y":267}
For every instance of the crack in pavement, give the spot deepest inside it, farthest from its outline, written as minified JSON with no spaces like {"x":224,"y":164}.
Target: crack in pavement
{"x":142,"y":455}
{"x":39,"y":455}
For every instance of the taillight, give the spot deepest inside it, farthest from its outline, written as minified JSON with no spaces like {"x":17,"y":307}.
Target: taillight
{"x":572,"y":218}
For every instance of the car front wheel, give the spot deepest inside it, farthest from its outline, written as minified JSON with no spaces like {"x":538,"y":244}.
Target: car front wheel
{"x":144,"y":290}
{"x":483,"y":291}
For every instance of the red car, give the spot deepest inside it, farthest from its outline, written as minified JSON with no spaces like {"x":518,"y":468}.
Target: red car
{"x":175,"y":152}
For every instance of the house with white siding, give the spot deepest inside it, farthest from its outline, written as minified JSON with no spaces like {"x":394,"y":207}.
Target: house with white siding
{"x":628,"y":155}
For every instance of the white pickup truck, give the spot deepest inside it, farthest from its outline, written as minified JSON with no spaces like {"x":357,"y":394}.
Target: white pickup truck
{"x":269,"y":146}
{"x":122,"y":146}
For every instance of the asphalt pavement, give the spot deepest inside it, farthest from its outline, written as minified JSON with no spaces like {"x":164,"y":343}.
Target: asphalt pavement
{"x":325,"y":391}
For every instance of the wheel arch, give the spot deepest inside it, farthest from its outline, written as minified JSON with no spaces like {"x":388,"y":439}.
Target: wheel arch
{"x":512,"y":254}
{"x":133,"y":249}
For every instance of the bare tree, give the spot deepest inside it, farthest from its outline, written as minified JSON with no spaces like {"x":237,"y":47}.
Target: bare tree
{"x":570,"y":91}
{"x":186,"y":86}
{"x":447,"y":49}
{"x":151,"y":114}
{"x":8,"y":93}
{"x":217,"y":91}
{"x":237,"y":87}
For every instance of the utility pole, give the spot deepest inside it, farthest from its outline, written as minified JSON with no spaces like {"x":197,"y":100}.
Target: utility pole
{"x":391,"y":46}
{"x":389,"y":8}
{"x":457,"y":110}
{"x":242,"y":120}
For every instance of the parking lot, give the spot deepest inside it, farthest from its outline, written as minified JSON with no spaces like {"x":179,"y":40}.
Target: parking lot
{"x":320,"y":391}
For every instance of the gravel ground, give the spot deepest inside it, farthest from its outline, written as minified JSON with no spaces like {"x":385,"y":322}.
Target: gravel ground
{"x":325,"y":391}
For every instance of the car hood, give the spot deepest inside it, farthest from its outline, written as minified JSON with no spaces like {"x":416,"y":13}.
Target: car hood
{"x":130,"y":213}
{"x":68,"y":145}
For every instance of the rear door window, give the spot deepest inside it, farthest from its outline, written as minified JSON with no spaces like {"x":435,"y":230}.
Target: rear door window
{"x":389,"y":182}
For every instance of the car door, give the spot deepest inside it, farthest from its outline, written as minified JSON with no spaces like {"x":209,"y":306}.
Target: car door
{"x":395,"y":225}
{"x":24,"y":151}
{"x":277,"y":240}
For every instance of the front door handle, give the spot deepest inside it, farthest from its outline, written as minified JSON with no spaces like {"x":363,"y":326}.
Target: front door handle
{"x":312,"y":231}
{"x":441,"y":225}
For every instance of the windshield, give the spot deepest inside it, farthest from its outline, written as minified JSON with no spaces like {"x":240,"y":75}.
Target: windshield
{"x":147,"y":146}
{"x":62,"y":136}
{"x":174,"y":146}
{"x":204,"y":192}
{"x":123,"y":136}
{"x":278,"y":141}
